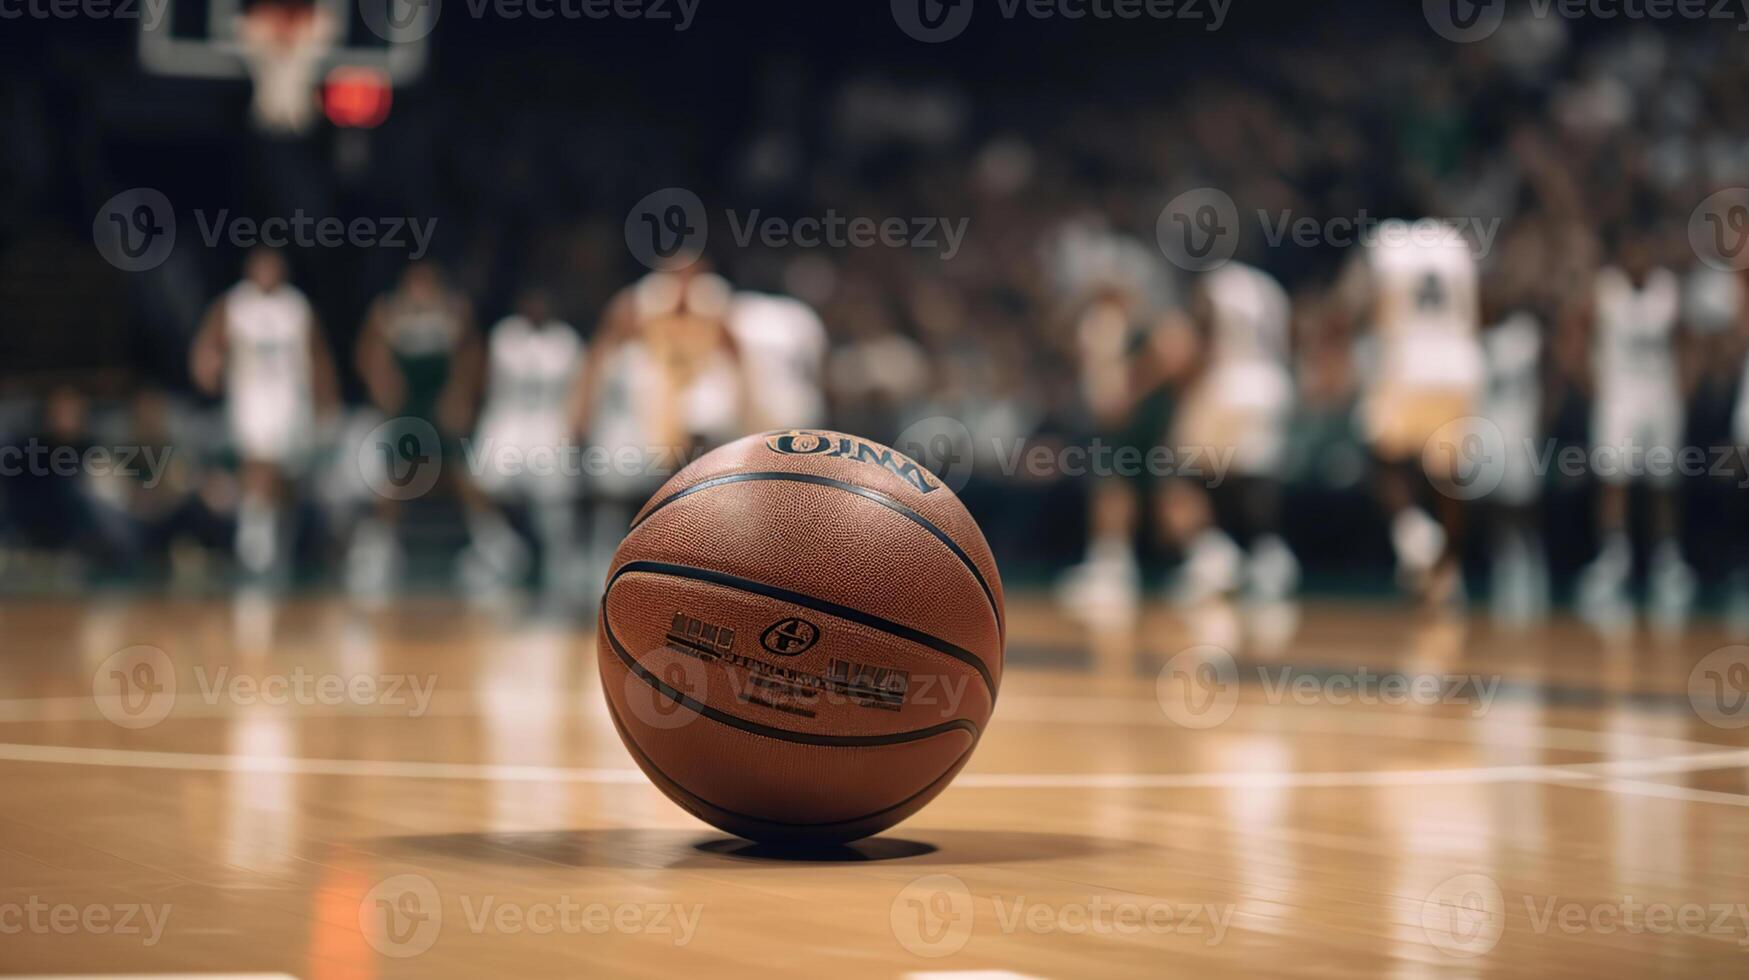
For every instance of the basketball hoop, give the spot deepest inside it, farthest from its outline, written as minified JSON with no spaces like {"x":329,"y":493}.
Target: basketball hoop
{"x":357,"y":98}
{"x":283,"y":44}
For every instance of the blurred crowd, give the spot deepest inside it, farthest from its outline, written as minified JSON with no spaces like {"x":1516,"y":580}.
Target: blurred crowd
{"x":1569,"y":146}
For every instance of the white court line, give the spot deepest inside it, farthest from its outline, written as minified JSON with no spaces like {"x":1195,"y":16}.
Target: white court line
{"x":1021,"y":709}
{"x":1575,"y":773}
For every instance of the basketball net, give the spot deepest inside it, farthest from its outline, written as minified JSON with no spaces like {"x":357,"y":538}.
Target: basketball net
{"x":283,"y":46}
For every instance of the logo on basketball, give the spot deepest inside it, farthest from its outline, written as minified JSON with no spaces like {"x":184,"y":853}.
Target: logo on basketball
{"x":135,"y":230}
{"x":1199,"y":687}
{"x":803,"y":442}
{"x":933,"y":916}
{"x":789,"y":637}
{"x":932,"y":21}
{"x":667,"y":229}
{"x":1718,"y":687}
{"x":1199,"y":229}
{"x":1464,"y":916}
{"x":401,"y":916}
{"x":401,"y":459}
{"x":135,"y":687}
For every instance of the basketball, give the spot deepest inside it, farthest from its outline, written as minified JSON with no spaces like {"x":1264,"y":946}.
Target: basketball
{"x":801,"y":637}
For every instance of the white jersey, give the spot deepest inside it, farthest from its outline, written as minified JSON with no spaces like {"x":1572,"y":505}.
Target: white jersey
{"x":1633,"y":352}
{"x":267,"y":335}
{"x":1244,"y":400}
{"x":268,"y":375}
{"x":1425,"y":307}
{"x":1513,"y":399}
{"x":531,"y":372}
{"x":783,"y":345}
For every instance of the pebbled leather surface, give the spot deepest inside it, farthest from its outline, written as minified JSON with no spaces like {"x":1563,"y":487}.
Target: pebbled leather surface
{"x":813,"y":724}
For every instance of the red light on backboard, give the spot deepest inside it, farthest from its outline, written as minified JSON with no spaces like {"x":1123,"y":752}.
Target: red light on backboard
{"x":357,"y":98}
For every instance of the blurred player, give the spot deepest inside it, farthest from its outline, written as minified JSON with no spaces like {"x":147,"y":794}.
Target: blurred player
{"x":1415,"y":286}
{"x":420,"y":358}
{"x":534,"y":364}
{"x":1513,"y":402}
{"x":1637,"y":410}
{"x":1235,"y":410}
{"x":1128,"y":369}
{"x":261,"y":346}
{"x":783,"y":342}
{"x":665,"y":381}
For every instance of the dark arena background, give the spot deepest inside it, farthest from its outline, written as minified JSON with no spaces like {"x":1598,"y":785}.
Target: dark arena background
{"x":1353,"y":397}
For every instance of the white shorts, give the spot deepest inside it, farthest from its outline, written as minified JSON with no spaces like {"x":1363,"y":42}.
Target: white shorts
{"x":271,"y":429}
{"x":1634,"y":423}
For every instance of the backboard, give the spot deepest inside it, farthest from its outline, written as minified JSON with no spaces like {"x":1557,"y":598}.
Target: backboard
{"x":198,"y":38}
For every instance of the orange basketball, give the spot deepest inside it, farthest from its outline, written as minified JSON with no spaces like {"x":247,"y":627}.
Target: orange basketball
{"x":801,"y":637}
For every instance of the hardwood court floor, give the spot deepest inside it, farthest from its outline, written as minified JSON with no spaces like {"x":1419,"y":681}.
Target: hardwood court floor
{"x":444,"y":795}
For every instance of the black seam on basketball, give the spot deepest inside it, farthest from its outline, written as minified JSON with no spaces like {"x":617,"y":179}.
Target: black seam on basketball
{"x":643,"y":759}
{"x":889,"y":502}
{"x":755,"y":728}
{"x":826,"y":606}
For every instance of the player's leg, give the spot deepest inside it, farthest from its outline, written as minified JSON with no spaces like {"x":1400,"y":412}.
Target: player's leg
{"x":1213,"y":561}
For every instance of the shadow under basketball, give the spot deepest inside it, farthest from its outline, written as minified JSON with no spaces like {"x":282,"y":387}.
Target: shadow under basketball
{"x":627,"y":848}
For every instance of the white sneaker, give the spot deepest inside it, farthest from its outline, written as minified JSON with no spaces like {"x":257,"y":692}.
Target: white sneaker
{"x":1272,"y":573}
